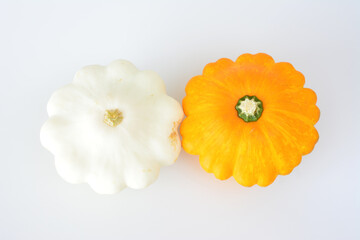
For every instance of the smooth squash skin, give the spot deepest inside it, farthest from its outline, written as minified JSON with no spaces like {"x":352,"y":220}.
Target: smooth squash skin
{"x":256,"y":151}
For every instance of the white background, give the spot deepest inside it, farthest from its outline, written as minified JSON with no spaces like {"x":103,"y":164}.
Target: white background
{"x":42,"y":45}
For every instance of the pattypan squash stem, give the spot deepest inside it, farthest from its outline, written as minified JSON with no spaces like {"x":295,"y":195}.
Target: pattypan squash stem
{"x":113,"y":117}
{"x":249,"y":108}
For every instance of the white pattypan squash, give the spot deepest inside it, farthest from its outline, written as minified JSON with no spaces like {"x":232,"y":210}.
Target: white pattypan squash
{"x":113,"y":127}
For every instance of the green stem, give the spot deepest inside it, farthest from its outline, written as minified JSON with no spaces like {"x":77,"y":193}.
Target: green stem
{"x":249,"y":108}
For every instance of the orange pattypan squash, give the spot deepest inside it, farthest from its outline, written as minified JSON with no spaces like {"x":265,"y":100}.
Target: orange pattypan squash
{"x":250,"y":119}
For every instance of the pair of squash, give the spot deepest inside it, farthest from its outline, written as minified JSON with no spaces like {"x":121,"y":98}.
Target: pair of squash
{"x":114,"y":126}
